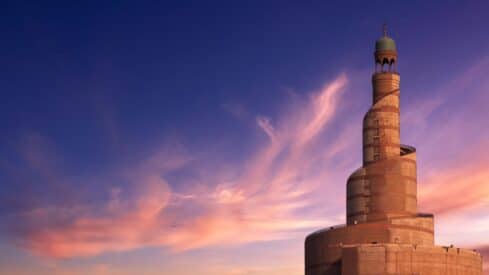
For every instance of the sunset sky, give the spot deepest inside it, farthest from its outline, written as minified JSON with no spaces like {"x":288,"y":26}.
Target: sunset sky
{"x":206,"y":137}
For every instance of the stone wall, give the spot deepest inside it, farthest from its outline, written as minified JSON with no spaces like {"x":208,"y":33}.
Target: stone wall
{"x":324,"y":248}
{"x":409,"y":260}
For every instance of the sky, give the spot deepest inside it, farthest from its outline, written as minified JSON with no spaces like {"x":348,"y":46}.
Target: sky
{"x":154,"y":137}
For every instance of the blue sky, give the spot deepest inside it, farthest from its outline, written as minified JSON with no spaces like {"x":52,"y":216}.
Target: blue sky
{"x":233,"y":123}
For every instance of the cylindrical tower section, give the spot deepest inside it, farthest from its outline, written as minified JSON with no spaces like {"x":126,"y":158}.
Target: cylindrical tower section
{"x":385,"y":187}
{"x":385,"y":84}
{"x":381,"y":126}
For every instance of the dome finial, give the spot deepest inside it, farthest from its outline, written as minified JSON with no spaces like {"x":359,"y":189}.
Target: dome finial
{"x":385,"y":29}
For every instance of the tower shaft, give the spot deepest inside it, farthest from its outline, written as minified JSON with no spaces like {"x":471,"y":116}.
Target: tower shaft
{"x":385,"y":186}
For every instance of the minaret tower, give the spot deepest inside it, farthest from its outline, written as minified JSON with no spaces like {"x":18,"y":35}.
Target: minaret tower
{"x":384,"y":233}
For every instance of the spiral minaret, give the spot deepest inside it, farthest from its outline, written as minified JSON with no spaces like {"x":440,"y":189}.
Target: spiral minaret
{"x":385,"y":186}
{"x":384,"y":233}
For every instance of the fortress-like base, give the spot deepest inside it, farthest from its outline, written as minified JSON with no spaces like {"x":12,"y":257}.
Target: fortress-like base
{"x":399,"y":259}
{"x":400,"y":246}
{"x":409,"y":259}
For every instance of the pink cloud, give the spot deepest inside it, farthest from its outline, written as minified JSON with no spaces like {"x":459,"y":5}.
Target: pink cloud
{"x":262,"y":202}
{"x":453,"y":188}
{"x":265,"y":124}
{"x":453,"y":157}
{"x":323,"y":108}
{"x":118,"y":226}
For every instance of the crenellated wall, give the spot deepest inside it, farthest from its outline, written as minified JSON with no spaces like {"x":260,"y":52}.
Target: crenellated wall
{"x":379,"y":259}
{"x":324,"y":248}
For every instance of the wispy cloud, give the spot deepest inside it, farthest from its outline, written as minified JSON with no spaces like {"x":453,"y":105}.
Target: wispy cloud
{"x":265,"y":124}
{"x":277,"y":192}
{"x":261,"y":202}
{"x":454,"y":148}
{"x":453,"y":156}
{"x":457,"y":188}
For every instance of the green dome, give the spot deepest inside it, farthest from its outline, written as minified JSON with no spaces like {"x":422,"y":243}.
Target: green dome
{"x":385,"y":43}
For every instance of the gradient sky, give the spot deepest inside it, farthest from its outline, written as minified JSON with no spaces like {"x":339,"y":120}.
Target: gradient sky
{"x":212,"y":137}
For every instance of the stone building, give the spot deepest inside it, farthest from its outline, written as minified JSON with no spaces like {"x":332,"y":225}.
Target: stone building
{"x":384,"y":233}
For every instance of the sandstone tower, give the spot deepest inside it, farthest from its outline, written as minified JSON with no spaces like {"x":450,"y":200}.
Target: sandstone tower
{"x":384,"y":233}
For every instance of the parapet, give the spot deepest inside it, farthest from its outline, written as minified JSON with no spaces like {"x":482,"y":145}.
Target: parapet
{"x":324,"y":247}
{"x":378,"y":259}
